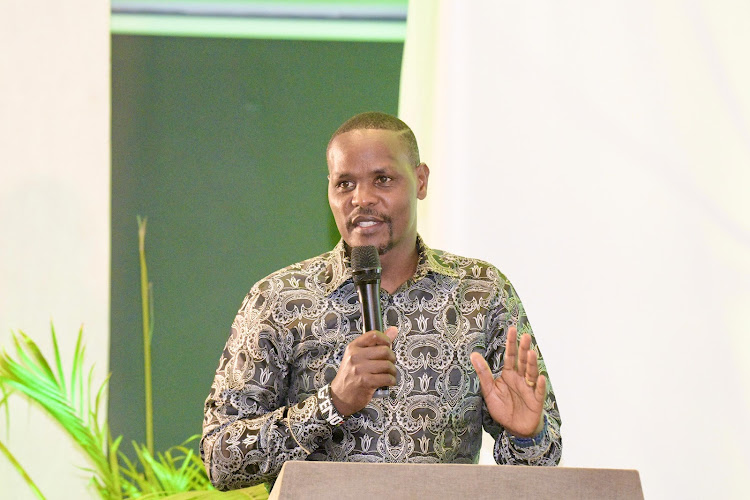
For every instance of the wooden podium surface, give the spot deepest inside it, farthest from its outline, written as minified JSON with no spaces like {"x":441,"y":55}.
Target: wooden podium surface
{"x":340,"y":480}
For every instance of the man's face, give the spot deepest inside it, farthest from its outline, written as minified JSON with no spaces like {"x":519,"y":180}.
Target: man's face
{"x":373,"y":190}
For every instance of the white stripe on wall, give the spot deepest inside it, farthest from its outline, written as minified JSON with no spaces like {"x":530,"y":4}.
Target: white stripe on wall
{"x":54,"y":212}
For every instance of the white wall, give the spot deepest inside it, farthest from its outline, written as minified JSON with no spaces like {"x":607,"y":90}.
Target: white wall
{"x":599,"y":154}
{"x":54,"y":211}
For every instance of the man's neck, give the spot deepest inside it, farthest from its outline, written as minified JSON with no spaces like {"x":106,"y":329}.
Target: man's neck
{"x":398,"y":268}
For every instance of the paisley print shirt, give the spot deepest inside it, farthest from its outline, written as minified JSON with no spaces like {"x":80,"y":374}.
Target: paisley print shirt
{"x":288,"y":340}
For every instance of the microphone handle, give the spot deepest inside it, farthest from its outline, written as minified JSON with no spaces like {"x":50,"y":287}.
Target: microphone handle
{"x":369,"y":298}
{"x":372,"y":316}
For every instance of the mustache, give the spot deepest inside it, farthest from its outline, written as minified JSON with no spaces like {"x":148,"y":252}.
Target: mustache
{"x":367,"y":212}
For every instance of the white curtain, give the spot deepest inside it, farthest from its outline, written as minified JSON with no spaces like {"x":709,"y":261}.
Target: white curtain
{"x":599,"y":154}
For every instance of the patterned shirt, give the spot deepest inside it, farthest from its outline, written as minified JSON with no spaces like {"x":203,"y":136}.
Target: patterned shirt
{"x":288,"y":340}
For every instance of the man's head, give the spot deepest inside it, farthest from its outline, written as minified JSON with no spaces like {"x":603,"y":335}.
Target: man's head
{"x":375,"y":179}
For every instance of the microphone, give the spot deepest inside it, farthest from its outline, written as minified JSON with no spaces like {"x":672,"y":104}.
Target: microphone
{"x":366,"y":272}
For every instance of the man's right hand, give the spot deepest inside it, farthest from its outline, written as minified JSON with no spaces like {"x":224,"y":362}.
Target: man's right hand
{"x":369,"y":363}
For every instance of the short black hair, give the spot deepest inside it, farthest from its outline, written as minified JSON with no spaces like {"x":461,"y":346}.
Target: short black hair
{"x":381,"y":121}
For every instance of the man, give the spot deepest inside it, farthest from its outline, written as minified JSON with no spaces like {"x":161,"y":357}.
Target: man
{"x":297,"y":377}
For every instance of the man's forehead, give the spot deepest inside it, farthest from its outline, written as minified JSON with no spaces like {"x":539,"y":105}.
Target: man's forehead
{"x":363,"y":142}
{"x":341,"y":171}
{"x":369,"y":162}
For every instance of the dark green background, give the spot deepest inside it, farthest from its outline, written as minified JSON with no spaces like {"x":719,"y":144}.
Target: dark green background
{"x":221,"y":144}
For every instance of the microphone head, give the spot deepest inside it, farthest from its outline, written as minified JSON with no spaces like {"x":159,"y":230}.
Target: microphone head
{"x":365,"y":264}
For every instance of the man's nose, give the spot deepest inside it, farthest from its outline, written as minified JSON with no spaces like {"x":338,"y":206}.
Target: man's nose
{"x":363,"y":196}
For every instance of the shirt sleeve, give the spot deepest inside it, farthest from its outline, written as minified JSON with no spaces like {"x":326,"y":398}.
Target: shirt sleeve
{"x":249,"y":429}
{"x":545,"y":448}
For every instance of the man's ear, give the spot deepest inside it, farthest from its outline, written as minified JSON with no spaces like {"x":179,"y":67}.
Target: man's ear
{"x":423,"y":176}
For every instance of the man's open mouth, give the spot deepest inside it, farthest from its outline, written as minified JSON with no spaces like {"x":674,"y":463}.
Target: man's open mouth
{"x":365,"y":221}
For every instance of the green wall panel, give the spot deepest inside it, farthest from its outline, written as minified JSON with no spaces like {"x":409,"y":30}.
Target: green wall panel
{"x":221,"y":144}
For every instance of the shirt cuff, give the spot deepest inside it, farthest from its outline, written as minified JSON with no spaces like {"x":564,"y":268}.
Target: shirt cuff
{"x":311,"y":422}
{"x":528,"y":442}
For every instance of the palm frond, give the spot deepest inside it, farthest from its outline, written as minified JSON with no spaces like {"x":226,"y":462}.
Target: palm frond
{"x":176,"y":470}
{"x":76,"y":380}
{"x":30,"y":374}
{"x":114,"y":446}
{"x":4,"y":404}
{"x":73,"y":403}
{"x":255,"y":493}
{"x":58,"y":359}
{"x":27,"y":479}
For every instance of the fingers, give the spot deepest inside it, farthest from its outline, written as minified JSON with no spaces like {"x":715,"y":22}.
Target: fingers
{"x":375,"y":367}
{"x":373,"y":373}
{"x":391,"y":332}
{"x":360,"y":354}
{"x":381,"y":373}
{"x":521,"y":358}
{"x":374,"y":345}
{"x":541,"y":388}
{"x":382,"y":380}
{"x":524,"y":355}
{"x":368,"y":363}
{"x":531,"y":372}
{"x":511,"y":350}
{"x":374,"y":338}
{"x":486,"y":380}
{"x":371,"y":339}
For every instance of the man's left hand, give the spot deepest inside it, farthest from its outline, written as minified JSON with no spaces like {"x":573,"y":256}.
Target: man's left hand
{"x":515,"y":399}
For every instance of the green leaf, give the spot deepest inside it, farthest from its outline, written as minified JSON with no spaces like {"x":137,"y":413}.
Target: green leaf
{"x":30,"y":374}
{"x":258,"y":492}
{"x":58,"y":361}
{"x":74,"y":406}
{"x":4,"y":403}
{"x":76,"y":381}
{"x":16,"y":465}
{"x":42,"y":364}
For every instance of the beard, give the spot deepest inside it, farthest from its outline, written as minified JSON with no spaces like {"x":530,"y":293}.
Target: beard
{"x":383,"y":249}
{"x":388,"y":245}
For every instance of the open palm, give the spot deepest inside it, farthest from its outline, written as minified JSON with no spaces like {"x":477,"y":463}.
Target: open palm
{"x":515,"y":399}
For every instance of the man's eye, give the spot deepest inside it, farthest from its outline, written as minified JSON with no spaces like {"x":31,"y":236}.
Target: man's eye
{"x":384,"y":179}
{"x":344,"y":185}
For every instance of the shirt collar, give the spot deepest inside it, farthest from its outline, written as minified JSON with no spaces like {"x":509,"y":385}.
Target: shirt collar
{"x":430,"y":261}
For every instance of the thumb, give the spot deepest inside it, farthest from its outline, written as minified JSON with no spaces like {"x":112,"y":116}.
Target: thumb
{"x":391,"y":332}
{"x":486,"y":381}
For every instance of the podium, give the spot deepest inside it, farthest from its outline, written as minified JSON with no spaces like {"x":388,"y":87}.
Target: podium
{"x":361,"y":481}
